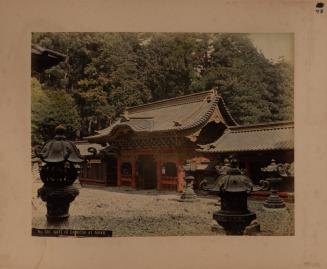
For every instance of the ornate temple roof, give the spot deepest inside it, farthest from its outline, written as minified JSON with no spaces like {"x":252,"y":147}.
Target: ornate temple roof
{"x":189,"y":112}
{"x":270,"y":136}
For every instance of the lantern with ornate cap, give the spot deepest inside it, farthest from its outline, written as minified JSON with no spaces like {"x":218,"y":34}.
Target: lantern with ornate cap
{"x":188,"y":194}
{"x":274,"y":173}
{"x":234,"y":188}
{"x":60,"y":169}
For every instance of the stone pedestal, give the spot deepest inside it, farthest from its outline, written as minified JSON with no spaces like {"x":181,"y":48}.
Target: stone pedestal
{"x":58,"y":200}
{"x":188,"y":195}
{"x":276,"y":220}
{"x":274,"y":201}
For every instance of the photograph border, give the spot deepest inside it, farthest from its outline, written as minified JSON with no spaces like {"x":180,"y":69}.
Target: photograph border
{"x":306,"y":249}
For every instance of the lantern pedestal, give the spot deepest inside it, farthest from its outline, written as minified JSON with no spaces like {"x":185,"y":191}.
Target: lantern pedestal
{"x":188,"y":195}
{"x":273,"y":172}
{"x":234,"y":224}
{"x":58,"y":200}
{"x":274,"y":201}
{"x":276,"y":220}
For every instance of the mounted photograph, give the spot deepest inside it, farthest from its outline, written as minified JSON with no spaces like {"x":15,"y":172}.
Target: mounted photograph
{"x":162,"y":134}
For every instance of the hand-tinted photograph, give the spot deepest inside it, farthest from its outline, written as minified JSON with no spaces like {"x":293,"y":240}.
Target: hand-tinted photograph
{"x":162,"y":134}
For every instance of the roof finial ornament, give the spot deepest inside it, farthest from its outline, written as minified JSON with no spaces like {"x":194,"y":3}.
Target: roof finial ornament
{"x":60,"y":132}
{"x":213,"y":93}
{"x":125,"y":116}
{"x":177,"y":123}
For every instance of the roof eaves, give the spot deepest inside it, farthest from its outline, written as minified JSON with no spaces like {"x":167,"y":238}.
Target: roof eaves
{"x":244,"y":150}
{"x":204,"y":118}
{"x":37,"y":49}
{"x":263,"y":126}
{"x":226,"y":113}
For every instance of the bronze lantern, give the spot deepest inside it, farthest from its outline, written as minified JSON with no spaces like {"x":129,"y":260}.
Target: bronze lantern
{"x":60,"y":168}
{"x":233,"y":189}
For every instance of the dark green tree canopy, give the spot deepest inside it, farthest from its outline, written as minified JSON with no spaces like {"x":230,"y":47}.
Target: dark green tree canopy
{"x":107,"y":72}
{"x":49,"y":109}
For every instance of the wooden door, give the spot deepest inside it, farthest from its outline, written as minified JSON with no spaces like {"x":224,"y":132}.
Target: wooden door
{"x":111,"y":171}
{"x":146,"y":176}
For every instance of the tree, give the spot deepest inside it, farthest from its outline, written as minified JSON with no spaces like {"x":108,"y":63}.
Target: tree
{"x":118,"y":70}
{"x":94,"y":109}
{"x":80,"y":48}
{"x":49,"y":109}
{"x":169,"y":64}
{"x":255,"y":89}
{"x":39,"y":103}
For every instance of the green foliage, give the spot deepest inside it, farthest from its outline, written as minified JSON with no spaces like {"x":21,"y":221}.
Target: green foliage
{"x":61,"y":110}
{"x":255,"y":89}
{"x":107,"y":72}
{"x":94,"y":110}
{"x":39,"y":102}
{"x":169,"y":64}
{"x":117,"y":71}
{"x":49,"y":109}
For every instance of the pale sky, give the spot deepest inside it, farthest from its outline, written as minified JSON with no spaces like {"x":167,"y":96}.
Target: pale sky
{"x":275,"y":45}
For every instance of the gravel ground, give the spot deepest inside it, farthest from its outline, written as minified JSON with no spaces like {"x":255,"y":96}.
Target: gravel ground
{"x":130,"y":212}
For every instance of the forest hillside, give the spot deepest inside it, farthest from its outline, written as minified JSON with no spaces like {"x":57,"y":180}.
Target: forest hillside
{"x":106,"y":72}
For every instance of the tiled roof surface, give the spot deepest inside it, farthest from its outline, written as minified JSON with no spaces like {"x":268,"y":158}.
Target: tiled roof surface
{"x":174,"y":114}
{"x":38,"y":50}
{"x":273,"y":136}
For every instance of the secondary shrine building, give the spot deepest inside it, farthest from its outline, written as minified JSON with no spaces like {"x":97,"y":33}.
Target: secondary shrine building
{"x":148,"y":145}
{"x":255,"y":145}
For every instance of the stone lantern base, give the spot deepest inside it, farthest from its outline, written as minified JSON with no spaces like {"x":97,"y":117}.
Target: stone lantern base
{"x":188,"y":195}
{"x":276,"y":220}
{"x":58,"y":200}
{"x":274,"y":201}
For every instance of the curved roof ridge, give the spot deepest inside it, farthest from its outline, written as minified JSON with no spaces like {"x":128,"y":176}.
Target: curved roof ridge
{"x":175,"y":101}
{"x":203,"y":118}
{"x":228,"y":116}
{"x":212,"y":99}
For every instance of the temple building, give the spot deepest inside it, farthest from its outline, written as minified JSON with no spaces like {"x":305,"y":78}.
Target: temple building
{"x":148,"y":145}
{"x":255,"y":146}
{"x":43,"y":58}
